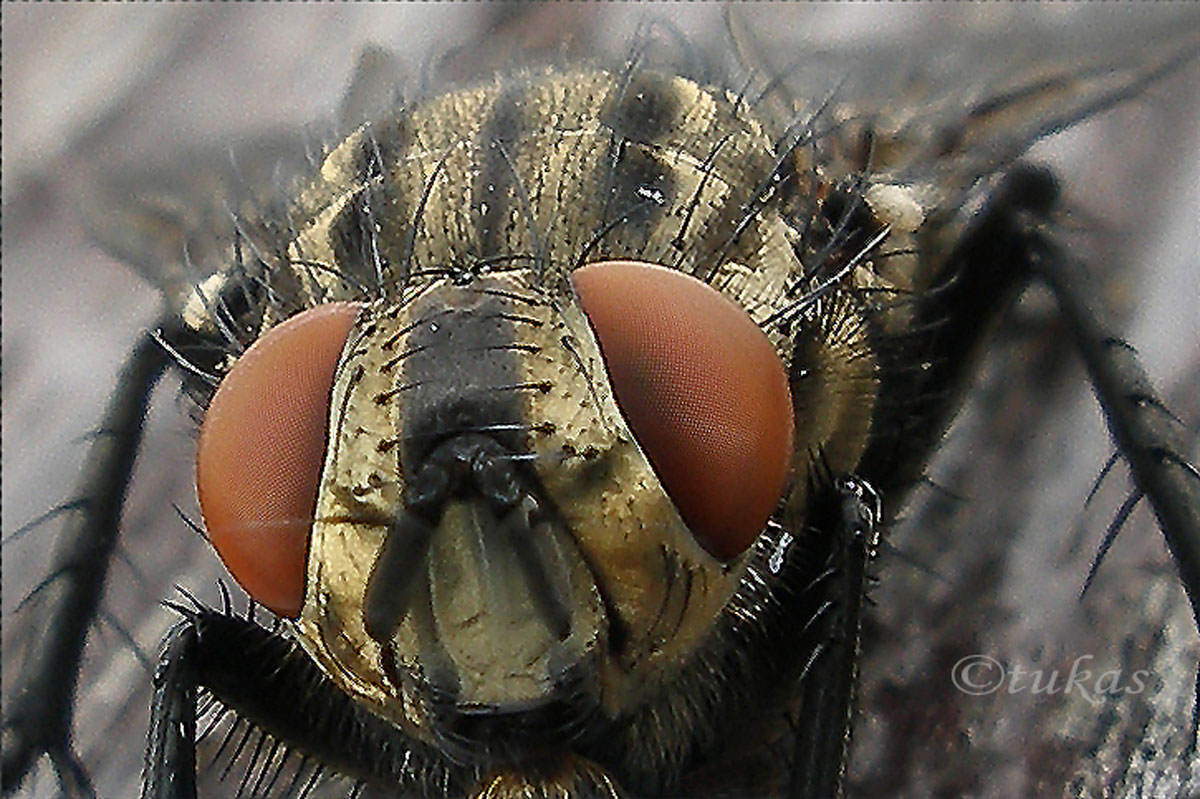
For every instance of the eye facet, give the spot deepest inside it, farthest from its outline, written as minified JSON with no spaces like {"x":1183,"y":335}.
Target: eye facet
{"x":702,"y":389}
{"x":261,"y":450}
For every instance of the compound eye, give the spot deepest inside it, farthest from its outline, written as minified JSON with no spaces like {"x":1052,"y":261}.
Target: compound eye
{"x":261,"y":450}
{"x":703,"y":391}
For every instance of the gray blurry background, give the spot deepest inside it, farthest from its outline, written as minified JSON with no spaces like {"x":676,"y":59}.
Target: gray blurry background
{"x":97,"y":88}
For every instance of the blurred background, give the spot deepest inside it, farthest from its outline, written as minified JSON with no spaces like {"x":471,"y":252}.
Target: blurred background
{"x":990,"y":565}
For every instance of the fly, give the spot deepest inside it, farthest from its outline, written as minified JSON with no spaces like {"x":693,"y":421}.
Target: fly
{"x":510,"y":552}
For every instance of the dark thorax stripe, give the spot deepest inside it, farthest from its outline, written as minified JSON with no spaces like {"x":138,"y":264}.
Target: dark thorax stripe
{"x":498,"y":196}
{"x":637,"y":185}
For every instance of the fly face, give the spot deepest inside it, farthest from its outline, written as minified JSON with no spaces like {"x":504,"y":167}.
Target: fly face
{"x":584,"y":609}
{"x":498,"y":559}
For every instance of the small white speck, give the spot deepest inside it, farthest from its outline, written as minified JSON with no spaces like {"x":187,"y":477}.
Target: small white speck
{"x":654,"y":195}
{"x":775,"y":563}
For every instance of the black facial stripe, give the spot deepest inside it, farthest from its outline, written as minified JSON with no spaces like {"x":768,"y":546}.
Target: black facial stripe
{"x":456,"y":370}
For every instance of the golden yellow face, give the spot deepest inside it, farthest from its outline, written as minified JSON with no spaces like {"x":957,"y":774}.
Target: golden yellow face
{"x":508,"y":598}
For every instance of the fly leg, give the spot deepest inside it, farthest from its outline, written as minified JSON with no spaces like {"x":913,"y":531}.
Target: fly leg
{"x":40,"y":707}
{"x":248,"y":668}
{"x":830,"y":676}
{"x":1148,"y":436}
{"x":268,"y":681}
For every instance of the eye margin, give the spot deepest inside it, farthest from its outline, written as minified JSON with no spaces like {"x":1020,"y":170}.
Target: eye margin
{"x":677,"y":350}
{"x":258,"y":504}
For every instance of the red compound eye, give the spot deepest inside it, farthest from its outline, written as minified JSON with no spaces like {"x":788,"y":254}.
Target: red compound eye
{"x":262,"y":447}
{"x":702,"y":389}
